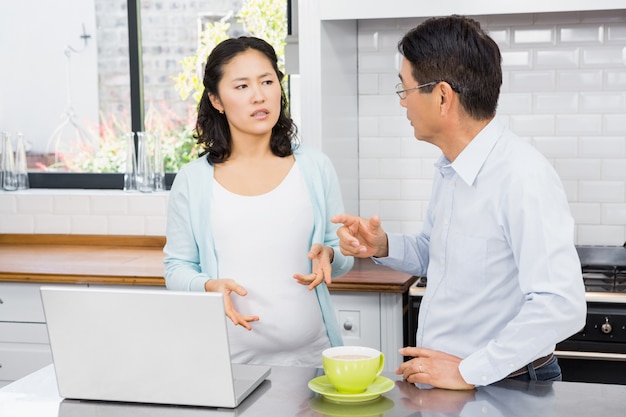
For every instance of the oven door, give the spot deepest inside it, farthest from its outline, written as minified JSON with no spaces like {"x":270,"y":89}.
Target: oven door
{"x":416,"y":293}
{"x":598,"y":352}
{"x":587,"y":366}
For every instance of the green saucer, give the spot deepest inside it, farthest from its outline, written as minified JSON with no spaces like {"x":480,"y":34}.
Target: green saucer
{"x":322,"y":386}
{"x":372,"y":408}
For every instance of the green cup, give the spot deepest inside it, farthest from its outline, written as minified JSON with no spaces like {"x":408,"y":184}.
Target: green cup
{"x":351,"y":369}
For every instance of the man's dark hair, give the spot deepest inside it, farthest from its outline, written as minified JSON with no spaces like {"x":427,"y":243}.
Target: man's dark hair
{"x":457,"y":50}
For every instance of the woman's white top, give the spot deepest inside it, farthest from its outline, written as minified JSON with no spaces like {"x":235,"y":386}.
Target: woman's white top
{"x":261,"y":242}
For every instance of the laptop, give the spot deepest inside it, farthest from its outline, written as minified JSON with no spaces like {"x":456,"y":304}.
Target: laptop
{"x":144,"y":346}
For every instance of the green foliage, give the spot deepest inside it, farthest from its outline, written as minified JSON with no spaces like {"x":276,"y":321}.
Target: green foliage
{"x":189,"y":80}
{"x":265,"y":19}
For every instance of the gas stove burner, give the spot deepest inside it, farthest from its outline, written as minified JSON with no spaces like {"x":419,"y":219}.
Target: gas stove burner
{"x":620,"y":281}
{"x":603,"y":268}
{"x":604,"y":280}
{"x":421,"y":282}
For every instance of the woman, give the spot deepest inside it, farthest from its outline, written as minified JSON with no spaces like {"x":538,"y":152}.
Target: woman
{"x":251,"y":219}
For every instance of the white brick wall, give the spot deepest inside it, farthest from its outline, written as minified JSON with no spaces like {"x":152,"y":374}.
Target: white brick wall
{"x":564,"y":90}
{"x":92,"y":212}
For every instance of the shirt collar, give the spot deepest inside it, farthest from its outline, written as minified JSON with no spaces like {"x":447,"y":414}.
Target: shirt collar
{"x":469,"y":162}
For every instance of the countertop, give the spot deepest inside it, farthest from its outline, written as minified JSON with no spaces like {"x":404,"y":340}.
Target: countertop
{"x":137,"y":260}
{"x":285,"y":393}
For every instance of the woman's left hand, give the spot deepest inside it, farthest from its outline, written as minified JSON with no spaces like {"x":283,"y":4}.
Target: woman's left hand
{"x":321,"y":270}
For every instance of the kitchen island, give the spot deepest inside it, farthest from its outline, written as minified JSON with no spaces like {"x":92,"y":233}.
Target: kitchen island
{"x":285,"y":393}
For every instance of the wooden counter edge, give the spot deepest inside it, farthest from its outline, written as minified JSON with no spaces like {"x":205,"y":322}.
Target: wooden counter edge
{"x":81,"y":279}
{"x":83,"y":240}
{"x":382,"y":288}
{"x":160,"y":282}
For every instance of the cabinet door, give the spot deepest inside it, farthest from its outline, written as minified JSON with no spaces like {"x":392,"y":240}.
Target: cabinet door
{"x":20,"y":302}
{"x":23,"y":349}
{"x":23,"y":333}
{"x":24,"y":344}
{"x":391,"y":328}
{"x":359,"y":317}
{"x":18,"y":360}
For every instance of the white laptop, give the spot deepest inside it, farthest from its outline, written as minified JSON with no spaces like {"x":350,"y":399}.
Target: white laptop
{"x":145,"y":346}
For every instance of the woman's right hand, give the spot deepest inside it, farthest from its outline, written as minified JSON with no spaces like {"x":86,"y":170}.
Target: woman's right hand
{"x":227,"y":286}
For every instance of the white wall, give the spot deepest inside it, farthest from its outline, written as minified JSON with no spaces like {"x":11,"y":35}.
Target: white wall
{"x":90,"y":212}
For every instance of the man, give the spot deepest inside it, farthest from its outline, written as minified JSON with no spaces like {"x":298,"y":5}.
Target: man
{"x":504,"y":278}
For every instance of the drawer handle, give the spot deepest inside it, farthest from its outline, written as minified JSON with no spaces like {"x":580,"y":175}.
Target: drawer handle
{"x":1,"y":302}
{"x":347,"y":325}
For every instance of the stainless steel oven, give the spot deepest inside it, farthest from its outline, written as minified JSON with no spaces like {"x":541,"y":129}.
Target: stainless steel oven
{"x":598,"y":352}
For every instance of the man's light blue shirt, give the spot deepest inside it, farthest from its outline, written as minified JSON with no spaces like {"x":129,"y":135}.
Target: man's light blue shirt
{"x":497,"y":246}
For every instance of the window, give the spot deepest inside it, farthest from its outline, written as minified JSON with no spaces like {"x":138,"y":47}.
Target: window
{"x":80,"y":81}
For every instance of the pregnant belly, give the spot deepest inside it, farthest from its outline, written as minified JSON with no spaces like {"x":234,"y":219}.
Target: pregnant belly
{"x":285,"y":323}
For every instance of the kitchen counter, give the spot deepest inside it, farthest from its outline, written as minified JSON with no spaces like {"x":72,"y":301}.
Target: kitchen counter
{"x":285,"y":393}
{"x":137,"y":260}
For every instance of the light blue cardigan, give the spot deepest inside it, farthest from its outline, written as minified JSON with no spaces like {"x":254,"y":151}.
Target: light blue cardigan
{"x":190,"y":258}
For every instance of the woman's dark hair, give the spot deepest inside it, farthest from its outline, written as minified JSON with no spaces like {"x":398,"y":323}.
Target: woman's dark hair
{"x":212,"y":130}
{"x":455,"y":49}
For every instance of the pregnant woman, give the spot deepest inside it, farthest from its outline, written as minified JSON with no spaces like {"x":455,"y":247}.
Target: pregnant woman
{"x":250,"y":218}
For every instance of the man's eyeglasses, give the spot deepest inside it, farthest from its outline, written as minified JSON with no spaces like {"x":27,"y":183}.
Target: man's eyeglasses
{"x":402,"y":92}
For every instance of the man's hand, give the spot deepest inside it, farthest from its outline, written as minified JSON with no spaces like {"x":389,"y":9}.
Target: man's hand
{"x":227,"y":286}
{"x":321,"y":270}
{"x":432,"y":367}
{"x":360,"y":237}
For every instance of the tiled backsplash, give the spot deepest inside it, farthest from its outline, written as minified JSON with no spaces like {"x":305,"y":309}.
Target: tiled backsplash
{"x":564,"y":90}
{"x":91,"y":212}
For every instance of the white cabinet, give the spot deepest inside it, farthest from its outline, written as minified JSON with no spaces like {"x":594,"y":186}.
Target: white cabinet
{"x":359,"y":317}
{"x":373,"y":320}
{"x":23,"y":336}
